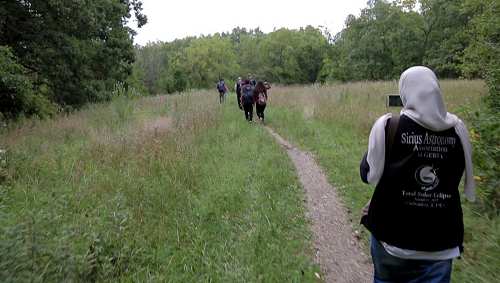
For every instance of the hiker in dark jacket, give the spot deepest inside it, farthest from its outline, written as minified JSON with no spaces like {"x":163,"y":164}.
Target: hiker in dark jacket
{"x":252,"y":80}
{"x":247,"y":99}
{"x":416,"y":161}
{"x":237,"y":87}
{"x":222,"y":88}
{"x":260,"y":98}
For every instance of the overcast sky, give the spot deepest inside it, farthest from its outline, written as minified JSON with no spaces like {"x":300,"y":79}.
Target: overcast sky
{"x":171,"y":19}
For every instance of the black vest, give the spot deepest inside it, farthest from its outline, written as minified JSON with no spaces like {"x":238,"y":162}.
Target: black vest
{"x":416,"y":204}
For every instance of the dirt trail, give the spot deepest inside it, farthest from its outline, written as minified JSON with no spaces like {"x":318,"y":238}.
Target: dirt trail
{"x":337,"y":250}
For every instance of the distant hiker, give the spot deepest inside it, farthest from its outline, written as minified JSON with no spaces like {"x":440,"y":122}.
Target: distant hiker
{"x":267,"y":85}
{"x":237,"y":87}
{"x":221,"y":87}
{"x":247,"y":99}
{"x":260,"y":98}
{"x":416,"y":161}
{"x":252,"y":80}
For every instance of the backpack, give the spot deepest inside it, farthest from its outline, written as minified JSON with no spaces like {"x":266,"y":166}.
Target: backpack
{"x":221,"y":87}
{"x":262,"y":99}
{"x":247,"y":95}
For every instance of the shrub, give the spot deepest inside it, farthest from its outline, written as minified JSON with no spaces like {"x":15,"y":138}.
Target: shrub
{"x":487,"y":146}
{"x":17,"y":95}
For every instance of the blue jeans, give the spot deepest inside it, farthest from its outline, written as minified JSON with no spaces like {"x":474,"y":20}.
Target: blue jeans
{"x":391,"y":269}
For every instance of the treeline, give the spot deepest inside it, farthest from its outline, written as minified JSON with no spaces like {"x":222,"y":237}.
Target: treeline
{"x":385,"y":39}
{"x":61,"y":54}
{"x":285,"y":56}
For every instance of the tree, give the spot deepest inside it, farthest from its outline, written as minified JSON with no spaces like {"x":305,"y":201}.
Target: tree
{"x":17,"y":94}
{"x":312,"y":50}
{"x":208,"y":59}
{"x":77,"y":50}
{"x":444,"y":40}
{"x":293,"y":56}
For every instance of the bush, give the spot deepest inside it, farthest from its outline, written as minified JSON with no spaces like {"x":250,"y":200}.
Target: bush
{"x":17,"y":94}
{"x":482,"y":58}
{"x":486,"y":144}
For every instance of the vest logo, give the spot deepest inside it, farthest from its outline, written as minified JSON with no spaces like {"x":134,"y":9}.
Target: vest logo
{"x":427,"y":177}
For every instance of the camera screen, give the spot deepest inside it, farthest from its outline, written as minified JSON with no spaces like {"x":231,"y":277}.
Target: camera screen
{"x":394,"y":100}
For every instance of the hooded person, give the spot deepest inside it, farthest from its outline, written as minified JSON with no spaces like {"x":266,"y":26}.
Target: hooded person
{"x":415,"y":215}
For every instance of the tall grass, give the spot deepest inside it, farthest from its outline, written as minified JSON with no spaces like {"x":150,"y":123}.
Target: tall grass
{"x":334,"y":122}
{"x":111,"y":194}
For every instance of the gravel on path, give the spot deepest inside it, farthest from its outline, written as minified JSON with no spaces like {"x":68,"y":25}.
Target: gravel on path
{"x":337,"y":250}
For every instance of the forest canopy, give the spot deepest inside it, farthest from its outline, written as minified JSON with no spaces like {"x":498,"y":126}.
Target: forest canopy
{"x":62,"y":54}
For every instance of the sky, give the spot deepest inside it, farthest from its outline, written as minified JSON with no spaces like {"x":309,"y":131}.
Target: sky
{"x":173,"y":19}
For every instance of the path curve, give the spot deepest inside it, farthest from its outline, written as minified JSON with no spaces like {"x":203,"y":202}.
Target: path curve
{"x":337,"y":251}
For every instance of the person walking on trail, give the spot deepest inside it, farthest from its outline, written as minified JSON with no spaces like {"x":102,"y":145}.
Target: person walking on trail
{"x":221,"y":87}
{"x":237,"y":87}
{"x":416,"y":160}
{"x":252,"y":80}
{"x":247,"y":99}
{"x":267,"y":85}
{"x":260,"y":98}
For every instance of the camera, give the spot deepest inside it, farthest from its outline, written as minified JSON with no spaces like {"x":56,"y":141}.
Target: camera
{"x":394,"y":100}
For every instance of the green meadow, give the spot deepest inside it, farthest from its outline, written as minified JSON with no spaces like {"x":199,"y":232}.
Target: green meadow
{"x":103,"y":195}
{"x":181,"y":189}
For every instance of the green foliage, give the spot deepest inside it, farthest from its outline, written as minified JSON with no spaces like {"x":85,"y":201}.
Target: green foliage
{"x":388,"y":37}
{"x":135,"y":81}
{"x":444,"y":36}
{"x":208,"y":59}
{"x":293,"y":56}
{"x":17,"y":93}
{"x":76,"y":50}
{"x":482,"y":57}
{"x":487,"y":158}
{"x":283,"y":56}
{"x":247,"y":46}
{"x":379,"y":44}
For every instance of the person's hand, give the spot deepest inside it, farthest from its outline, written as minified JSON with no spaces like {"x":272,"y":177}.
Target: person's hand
{"x":365,"y":209}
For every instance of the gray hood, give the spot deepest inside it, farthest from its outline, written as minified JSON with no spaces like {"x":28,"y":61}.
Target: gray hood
{"x":422,"y":100}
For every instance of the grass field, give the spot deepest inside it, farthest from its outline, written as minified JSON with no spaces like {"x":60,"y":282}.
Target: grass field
{"x":334,"y":123}
{"x":102,"y":195}
{"x":113,"y":193}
